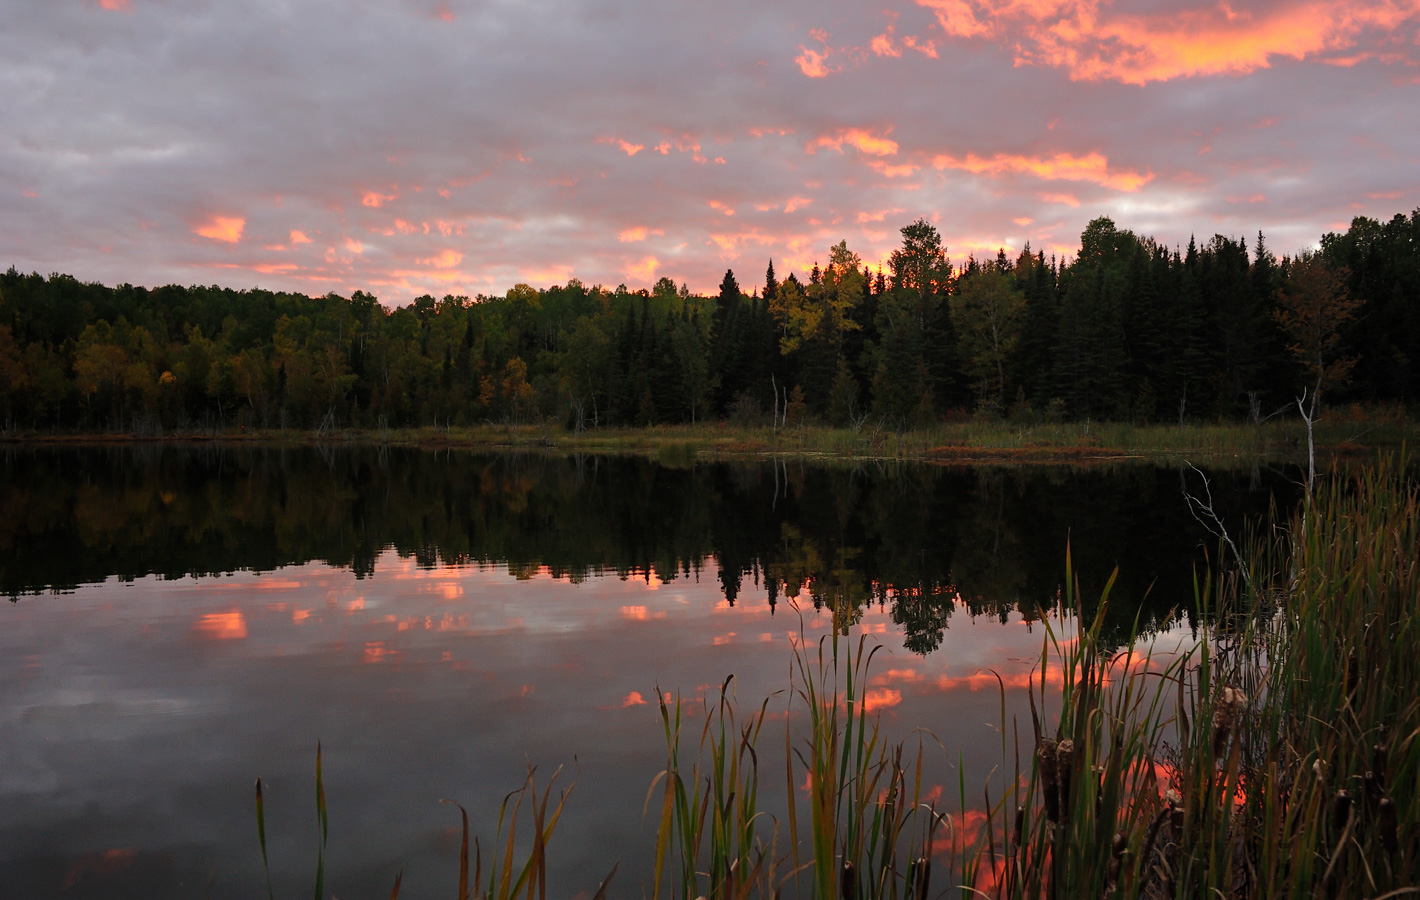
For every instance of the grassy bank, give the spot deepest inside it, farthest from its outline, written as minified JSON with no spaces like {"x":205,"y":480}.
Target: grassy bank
{"x":1279,"y":757}
{"x":1342,"y":434}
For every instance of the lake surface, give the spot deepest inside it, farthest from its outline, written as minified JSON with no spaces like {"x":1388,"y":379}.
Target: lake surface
{"x":185,"y":619}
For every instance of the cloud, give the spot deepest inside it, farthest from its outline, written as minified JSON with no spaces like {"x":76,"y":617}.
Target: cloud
{"x":227,"y":229}
{"x":627,"y":147}
{"x":1097,"y":40}
{"x":445,"y":260}
{"x":861,"y":139}
{"x":1092,"y":167}
{"x":273,"y":144}
{"x":644,"y":269}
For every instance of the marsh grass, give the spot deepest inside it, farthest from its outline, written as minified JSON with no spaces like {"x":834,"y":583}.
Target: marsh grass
{"x":514,"y":871}
{"x":863,"y":830}
{"x":1340,"y":433}
{"x":1277,"y":756}
{"x":1287,"y":764}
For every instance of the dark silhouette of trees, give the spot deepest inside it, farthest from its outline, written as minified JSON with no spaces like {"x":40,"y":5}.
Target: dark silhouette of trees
{"x":1128,"y":329}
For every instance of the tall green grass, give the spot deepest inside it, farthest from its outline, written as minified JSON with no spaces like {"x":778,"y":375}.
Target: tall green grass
{"x":863,"y":830}
{"x":1279,"y":758}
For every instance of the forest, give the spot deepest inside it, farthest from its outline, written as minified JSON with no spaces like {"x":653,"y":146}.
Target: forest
{"x":1126,"y":330}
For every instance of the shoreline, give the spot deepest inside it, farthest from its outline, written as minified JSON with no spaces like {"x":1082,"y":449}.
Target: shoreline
{"x":965,"y":443}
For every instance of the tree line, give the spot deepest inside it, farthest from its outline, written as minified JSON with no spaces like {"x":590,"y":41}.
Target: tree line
{"x":1128,"y":329}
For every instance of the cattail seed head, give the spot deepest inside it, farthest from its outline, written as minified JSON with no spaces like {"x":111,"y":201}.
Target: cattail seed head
{"x":1049,"y":779}
{"x":848,"y":883}
{"x":1340,"y":810}
{"x":1390,"y":839}
{"x":922,"y":874}
{"x":1065,"y":765}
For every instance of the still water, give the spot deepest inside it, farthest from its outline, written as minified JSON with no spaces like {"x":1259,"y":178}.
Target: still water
{"x":183,"y":620}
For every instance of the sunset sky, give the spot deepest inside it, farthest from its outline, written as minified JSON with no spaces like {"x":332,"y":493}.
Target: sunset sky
{"x":462,"y":146}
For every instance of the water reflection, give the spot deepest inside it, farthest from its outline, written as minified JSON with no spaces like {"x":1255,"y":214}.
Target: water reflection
{"x":920,"y":541}
{"x":439,"y":623}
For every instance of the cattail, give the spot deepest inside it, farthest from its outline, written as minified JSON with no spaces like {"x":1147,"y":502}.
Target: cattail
{"x":848,"y":884}
{"x":1065,"y":766}
{"x":1379,"y":757}
{"x":1373,"y":792}
{"x":921,"y":874}
{"x":1153,"y":835}
{"x":1231,"y":707}
{"x":1049,"y":779}
{"x":1390,"y":840}
{"x":1020,"y":824}
{"x":1340,"y":811}
{"x":1175,"y":810}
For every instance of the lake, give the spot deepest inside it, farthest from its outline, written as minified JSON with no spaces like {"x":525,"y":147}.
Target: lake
{"x":186,"y":618}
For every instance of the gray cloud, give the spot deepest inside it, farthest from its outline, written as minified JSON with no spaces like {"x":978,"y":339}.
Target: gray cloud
{"x":463,"y":146}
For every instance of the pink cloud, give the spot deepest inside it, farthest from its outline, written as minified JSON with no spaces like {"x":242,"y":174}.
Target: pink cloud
{"x":1095,"y":42}
{"x":861,"y":139}
{"x":1091,"y":167}
{"x":227,"y":229}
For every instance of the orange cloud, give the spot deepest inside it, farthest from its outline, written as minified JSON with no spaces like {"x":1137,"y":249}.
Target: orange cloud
{"x":814,"y":63}
{"x":116,"y":5}
{"x":375,"y":199}
{"x":227,"y":229}
{"x":1066,"y":199}
{"x":1094,"y":42}
{"x":633,"y":699}
{"x":299,"y":237}
{"x":865,"y":141}
{"x":644,"y":270}
{"x":890,"y":170}
{"x":223,"y":626}
{"x":627,"y":147}
{"x":354,"y":246}
{"x":881,"y":699}
{"x":632,"y":235}
{"x":926,"y":48}
{"x":882,"y":45}
{"x":445,"y":260}
{"x":1092,"y":167}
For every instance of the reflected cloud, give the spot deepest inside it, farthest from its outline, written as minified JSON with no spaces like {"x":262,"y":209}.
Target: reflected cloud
{"x":223,"y":626}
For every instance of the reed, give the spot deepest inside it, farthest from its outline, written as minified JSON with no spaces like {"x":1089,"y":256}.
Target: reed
{"x":511,"y":874}
{"x":1278,"y":758}
{"x":863,"y":832}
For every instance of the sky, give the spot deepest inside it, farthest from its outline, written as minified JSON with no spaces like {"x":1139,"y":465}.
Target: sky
{"x":405,"y":147}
